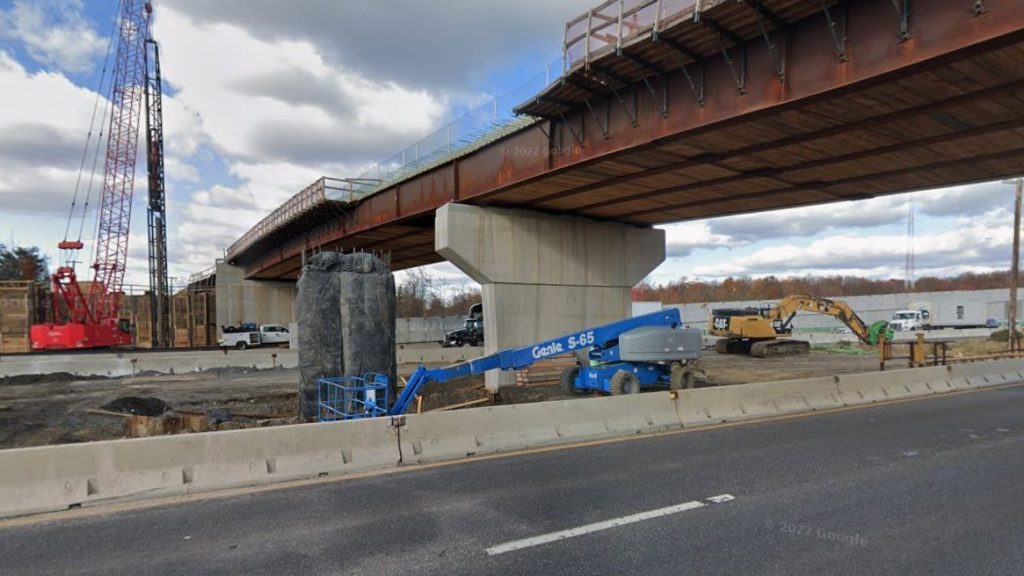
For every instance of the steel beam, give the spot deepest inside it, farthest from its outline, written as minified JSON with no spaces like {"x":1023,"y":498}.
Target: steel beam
{"x":864,"y":124}
{"x":825,"y":185}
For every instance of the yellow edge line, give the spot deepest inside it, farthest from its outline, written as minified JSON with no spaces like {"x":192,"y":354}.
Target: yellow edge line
{"x":101,"y":509}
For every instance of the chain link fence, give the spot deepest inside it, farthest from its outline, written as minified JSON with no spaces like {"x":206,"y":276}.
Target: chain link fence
{"x":480,"y":125}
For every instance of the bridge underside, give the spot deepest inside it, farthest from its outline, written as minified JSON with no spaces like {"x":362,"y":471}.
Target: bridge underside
{"x":671,"y":128}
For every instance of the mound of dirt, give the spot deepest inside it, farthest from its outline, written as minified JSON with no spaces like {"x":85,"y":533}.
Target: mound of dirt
{"x":135,"y":405}
{"x":53,"y":377}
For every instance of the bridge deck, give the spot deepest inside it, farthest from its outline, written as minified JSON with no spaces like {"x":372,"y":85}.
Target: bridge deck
{"x":629,"y":136}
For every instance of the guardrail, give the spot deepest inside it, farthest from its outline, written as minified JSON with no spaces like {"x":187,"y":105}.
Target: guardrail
{"x":616,"y":21}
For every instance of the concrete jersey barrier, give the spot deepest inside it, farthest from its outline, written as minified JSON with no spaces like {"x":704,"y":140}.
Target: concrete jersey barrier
{"x":57,"y":477}
{"x":129,"y":363}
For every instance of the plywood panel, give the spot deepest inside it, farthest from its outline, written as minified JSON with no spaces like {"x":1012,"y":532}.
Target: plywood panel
{"x":17,"y":314}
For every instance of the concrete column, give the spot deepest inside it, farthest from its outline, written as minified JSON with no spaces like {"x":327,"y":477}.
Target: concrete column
{"x":260,"y":301}
{"x":544,"y":275}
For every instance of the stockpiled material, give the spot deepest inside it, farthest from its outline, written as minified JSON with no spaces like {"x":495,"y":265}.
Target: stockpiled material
{"x":345,"y":308}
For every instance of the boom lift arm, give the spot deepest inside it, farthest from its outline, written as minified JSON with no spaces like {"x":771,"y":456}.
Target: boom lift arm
{"x":647,"y":365}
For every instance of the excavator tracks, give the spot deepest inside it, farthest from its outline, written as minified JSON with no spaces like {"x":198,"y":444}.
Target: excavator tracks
{"x":781,"y":347}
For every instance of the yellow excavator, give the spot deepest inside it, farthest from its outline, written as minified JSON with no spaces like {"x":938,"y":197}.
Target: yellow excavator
{"x":764,"y":332}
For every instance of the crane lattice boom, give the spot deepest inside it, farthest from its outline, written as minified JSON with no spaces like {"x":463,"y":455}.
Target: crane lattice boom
{"x":127,"y":95}
{"x":92,"y":317}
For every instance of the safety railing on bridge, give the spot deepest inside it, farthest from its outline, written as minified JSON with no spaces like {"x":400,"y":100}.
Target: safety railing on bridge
{"x":617,"y":21}
{"x":316,"y":194}
{"x":477,"y":126}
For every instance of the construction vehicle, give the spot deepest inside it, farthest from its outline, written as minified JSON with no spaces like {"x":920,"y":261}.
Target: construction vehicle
{"x":246,"y":335}
{"x":624,"y":357}
{"x":89,"y":319}
{"x":472,"y":332}
{"x":764,"y":332}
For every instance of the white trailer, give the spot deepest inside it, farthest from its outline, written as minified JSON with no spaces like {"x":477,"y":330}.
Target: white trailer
{"x":268,"y":334}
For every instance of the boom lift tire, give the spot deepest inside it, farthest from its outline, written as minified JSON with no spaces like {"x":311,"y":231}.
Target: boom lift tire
{"x":568,"y":380}
{"x":624,"y":383}
{"x":682,"y":378}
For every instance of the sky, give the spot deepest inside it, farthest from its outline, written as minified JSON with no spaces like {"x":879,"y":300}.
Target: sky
{"x":262,"y":97}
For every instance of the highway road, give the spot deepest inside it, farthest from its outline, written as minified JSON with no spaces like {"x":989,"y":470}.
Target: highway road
{"x":924,"y":487}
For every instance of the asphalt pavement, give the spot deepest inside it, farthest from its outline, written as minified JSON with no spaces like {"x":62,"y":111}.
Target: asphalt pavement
{"x":924,"y":487}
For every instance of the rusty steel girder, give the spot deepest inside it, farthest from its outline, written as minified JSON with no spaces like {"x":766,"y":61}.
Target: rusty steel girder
{"x":758,"y":105}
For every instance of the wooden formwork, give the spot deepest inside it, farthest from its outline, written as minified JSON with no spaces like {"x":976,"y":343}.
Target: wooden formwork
{"x":204,"y":319}
{"x":194,"y":319}
{"x":137,"y":310}
{"x":181,"y":322}
{"x":17,"y":313}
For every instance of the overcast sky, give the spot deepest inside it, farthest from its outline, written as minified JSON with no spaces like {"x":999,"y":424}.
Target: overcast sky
{"x":265,"y":96}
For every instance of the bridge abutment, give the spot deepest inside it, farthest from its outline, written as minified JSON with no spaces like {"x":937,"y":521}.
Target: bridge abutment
{"x":544,"y":275}
{"x":261,"y":301}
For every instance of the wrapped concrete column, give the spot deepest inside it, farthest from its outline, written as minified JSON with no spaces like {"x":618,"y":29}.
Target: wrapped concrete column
{"x":367,"y":306}
{"x":345,"y":308}
{"x":317,"y":310}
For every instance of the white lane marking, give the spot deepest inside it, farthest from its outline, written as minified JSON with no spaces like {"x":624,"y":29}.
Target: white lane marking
{"x":604,"y":525}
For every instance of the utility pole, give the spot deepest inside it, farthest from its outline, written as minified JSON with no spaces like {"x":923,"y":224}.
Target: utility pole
{"x":1015,"y":268}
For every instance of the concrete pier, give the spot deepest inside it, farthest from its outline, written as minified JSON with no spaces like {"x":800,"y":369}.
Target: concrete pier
{"x":544,"y":275}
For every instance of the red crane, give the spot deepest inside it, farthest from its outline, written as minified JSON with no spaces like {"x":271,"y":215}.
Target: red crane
{"x":90,"y":319}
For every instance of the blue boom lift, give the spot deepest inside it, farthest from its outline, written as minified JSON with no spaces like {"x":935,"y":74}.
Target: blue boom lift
{"x":649,"y":351}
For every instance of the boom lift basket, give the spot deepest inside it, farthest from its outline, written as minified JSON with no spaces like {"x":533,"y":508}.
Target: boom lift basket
{"x":348,"y":397}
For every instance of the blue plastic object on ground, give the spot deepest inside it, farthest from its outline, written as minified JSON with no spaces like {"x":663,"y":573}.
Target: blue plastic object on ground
{"x":349,"y":397}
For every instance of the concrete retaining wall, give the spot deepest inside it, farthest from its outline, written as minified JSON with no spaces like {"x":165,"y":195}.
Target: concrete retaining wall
{"x":260,"y":301}
{"x":118,"y":364}
{"x":433,"y":329}
{"x":438,"y":355}
{"x":56,"y":477}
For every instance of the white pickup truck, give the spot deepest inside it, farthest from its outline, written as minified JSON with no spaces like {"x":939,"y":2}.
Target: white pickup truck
{"x":268,"y":334}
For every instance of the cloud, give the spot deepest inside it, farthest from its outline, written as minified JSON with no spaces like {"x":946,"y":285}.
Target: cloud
{"x":54,"y":33}
{"x":982,"y":242}
{"x":279,"y":101}
{"x":965,"y":200}
{"x":435,"y":45}
{"x":812,"y":220}
{"x":682,"y":239}
{"x":43,"y":125}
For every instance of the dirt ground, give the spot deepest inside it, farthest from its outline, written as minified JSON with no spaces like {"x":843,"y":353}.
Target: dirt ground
{"x":55,"y":409}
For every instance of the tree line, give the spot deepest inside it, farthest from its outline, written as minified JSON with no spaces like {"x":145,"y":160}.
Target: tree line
{"x":686,"y":291}
{"x":422,"y":294}
{"x":23,"y":263}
